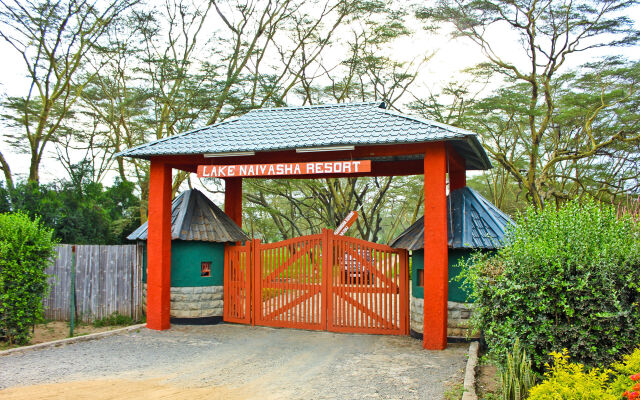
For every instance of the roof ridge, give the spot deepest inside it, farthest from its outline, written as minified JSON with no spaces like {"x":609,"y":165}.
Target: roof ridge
{"x":164,"y":139}
{"x":330,"y":105}
{"x":450,"y":128}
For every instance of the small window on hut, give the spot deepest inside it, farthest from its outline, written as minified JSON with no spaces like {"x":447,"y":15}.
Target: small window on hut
{"x":205,"y":268}
{"x":420,"y":278}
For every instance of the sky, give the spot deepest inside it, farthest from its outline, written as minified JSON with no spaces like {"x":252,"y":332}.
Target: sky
{"x":449,"y":58}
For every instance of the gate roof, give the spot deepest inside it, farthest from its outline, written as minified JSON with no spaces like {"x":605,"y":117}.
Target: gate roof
{"x":288,"y":128}
{"x":472,"y":223}
{"x":195,"y":217}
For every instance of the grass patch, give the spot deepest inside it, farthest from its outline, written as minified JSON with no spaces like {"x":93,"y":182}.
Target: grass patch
{"x":114,"y":319}
{"x":454,"y":392}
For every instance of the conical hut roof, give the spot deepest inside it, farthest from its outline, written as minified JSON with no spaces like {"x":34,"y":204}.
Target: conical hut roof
{"x":473,"y":222}
{"x":195,"y":217}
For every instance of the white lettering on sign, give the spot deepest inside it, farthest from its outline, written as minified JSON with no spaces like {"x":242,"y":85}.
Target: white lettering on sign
{"x":284,"y":169}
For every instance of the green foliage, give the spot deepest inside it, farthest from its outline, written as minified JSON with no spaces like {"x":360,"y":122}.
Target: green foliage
{"x":26,"y":247}
{"x":81,"y":212}
{"x":5,"y":204}
{"x":565,"y":279}
{"x":114,"y":319}
{"x":516,"y":376}
{"x":569,"y":381}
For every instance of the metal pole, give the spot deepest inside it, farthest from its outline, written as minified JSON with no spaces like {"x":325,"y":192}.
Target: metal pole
{"x":72,"y":302}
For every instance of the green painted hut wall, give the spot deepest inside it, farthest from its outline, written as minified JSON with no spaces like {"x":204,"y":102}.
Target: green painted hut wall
{"x":186,"y":257}
{"x":456,"y":292}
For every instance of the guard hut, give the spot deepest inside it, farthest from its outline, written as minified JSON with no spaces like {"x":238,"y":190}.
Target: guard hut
{"x":473,"y":224}
{"x":363,"y":139}
{"x":199,"y":232}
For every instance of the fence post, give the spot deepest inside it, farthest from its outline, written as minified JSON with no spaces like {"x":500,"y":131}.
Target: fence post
{"x":327,"y":275}
{"x":72,"y":294}
{"x":225,"y":283}
{"x":404,"y":292}
{"x":256,"y":265}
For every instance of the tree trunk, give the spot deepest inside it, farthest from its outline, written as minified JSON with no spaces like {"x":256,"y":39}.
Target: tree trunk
{"x":7,"y":172}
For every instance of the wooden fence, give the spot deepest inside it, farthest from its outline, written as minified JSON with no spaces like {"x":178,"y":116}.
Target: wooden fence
{"x":108,"y":280}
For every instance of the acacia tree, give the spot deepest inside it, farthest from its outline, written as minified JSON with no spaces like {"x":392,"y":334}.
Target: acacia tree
{"x":520,"y":131}
{"x":53,"y":38}
{"x":357,"y":70}
{"x":281,"y":209}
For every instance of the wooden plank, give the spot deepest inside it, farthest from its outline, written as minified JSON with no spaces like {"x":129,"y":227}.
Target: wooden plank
{"x":108,"y":279}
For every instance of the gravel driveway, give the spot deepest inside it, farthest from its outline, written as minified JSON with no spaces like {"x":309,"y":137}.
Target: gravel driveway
{"x":234,"y":362}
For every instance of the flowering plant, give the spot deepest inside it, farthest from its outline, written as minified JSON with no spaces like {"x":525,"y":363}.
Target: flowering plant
{"x":634,"y":393}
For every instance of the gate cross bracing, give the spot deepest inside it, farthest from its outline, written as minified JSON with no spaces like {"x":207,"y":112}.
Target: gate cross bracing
{"x":322,"y":282}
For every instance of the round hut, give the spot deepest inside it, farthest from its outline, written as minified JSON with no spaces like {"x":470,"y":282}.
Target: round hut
{"x":199,"y":232}
{"x":473,"y":224}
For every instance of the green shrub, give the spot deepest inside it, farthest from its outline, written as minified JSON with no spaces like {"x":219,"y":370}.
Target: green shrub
{"x":26,"y":248}
{"x":516,"y":376}
{"x":565,"y":279}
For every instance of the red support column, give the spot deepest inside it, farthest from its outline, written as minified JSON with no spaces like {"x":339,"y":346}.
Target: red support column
{"x":457,"y":171}
{"x":159,"y":247}
{"x":233,"y":199}
{"x":435,"y":248}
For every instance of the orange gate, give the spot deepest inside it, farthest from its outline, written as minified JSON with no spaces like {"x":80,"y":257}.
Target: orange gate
{"x":237,"y":288}
{"x":323,"y":282}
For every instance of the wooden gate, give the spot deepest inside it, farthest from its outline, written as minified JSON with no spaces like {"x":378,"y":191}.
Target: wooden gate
{"x":322,"y":282}
{"x":237,"y":284}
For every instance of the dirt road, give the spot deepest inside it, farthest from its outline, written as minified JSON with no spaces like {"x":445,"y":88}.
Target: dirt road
{"x":234,"y":362}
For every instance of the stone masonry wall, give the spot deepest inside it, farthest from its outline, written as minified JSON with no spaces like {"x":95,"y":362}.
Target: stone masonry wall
{"x":458,"y":318}
{"x":193,"y":302}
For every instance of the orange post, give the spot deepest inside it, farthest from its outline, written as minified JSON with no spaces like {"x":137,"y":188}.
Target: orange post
{"x":327,"y":274}
{"x":256,"y":278}
{"x":435,"y":248}
{"x":233,"y":199}
{"x":159,"y":247}
{"x":404,"y":292}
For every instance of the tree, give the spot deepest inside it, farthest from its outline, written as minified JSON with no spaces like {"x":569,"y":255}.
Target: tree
{"x":281,"y":209}
{"x":521,"y":128}
{"x":53,"y":38}
{"x":80,"y":211}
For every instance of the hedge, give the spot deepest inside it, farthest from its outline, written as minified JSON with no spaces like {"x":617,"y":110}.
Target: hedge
{"x":26,"y":248}
{"x":566,"y":278}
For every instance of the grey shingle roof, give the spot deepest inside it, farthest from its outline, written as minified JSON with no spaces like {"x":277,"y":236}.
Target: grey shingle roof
{"x":474,"y":223}
{"x":311,"y":126}
{"x":195,"y":217}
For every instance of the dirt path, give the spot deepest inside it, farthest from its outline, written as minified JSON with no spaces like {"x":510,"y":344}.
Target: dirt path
{"x":234,"y":362}
{"x":55,"y":330}
{"x":126,"y":389}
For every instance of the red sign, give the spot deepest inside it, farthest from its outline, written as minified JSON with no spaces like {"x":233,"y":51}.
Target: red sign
{"x":306,"y":168}
{"x":346,"y":223}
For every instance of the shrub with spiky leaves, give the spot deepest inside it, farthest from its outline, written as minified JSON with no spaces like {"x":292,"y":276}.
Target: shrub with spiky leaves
{"x":516,"y":375}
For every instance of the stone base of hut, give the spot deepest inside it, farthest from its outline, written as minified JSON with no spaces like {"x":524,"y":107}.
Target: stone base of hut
{"x":458,"y":321}
{"x":193,"y":302}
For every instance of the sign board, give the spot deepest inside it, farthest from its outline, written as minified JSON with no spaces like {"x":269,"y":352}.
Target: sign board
{"x":346,"y":223}
{"x":284,"y":169}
